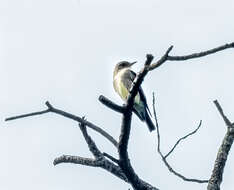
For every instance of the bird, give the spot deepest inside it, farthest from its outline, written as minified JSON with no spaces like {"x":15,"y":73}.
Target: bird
{"x":123,"y":78}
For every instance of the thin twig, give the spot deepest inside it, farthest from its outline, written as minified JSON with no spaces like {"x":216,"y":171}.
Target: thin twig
{"x":182,"y":138}
{"x":162,"y":60}
{"x":111,"y":157}
{"x":180,"y":175}
{"x":27,"y":115}
{"x":226,"y":120}
{"x":157,"y":127}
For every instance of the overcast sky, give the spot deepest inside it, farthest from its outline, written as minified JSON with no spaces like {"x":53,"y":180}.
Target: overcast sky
{"x":65,"y":52}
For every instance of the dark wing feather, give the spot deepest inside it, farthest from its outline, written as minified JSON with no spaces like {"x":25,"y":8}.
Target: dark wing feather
{"x":142,"y":95}
{"x":130,"y":76}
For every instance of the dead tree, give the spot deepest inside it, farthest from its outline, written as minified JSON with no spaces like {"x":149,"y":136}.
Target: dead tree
{"x":121,"y":167}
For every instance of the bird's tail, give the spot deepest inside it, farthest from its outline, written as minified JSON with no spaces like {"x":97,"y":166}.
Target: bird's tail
{"x":140,"y":115}
{"x":144,"y":116}
{"x":149,"y":122}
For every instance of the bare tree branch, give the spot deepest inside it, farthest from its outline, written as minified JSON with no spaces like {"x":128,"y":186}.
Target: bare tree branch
{"x":86,"y":123}
{"x":162,"y":60}
{"x":115,"y":170}
{"x":217,"y":173}
{"x":226,"y":120}
{"x":99,"y":161}
{"x":164,"y":158}
{"x":76,"y":160}
{"x":70,"y":116}
{"x":91,"y":144}
{"x":102,"y":163}
{"x":201,"y":54}
{"x":167,"y":57}
{"x":111,"y":104}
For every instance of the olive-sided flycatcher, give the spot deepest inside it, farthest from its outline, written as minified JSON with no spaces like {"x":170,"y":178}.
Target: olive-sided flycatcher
{"x":122,"y":80}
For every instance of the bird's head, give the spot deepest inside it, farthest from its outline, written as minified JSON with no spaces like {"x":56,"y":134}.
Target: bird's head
{"x":123,"y":65}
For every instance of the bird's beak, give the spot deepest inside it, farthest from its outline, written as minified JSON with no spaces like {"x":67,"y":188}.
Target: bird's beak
{"x":132,"y":63}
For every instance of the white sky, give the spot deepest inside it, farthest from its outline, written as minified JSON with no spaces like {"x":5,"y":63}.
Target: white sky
{"x":65,"y":51}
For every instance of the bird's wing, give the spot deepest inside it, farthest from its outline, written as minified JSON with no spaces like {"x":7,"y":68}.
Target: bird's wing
{"x":129,"y":77}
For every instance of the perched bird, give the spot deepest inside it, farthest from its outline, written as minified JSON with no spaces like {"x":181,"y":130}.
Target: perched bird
{"x":122,"y":81}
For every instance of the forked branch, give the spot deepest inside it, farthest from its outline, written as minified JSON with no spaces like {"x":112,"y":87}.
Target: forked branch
{"x":99,"y":158}
{"x":217,"y":173}
{"x":183,"y":138}
{"x":167,"y":57}
{"x":164,"y":157}
{"x":70,"y":116}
